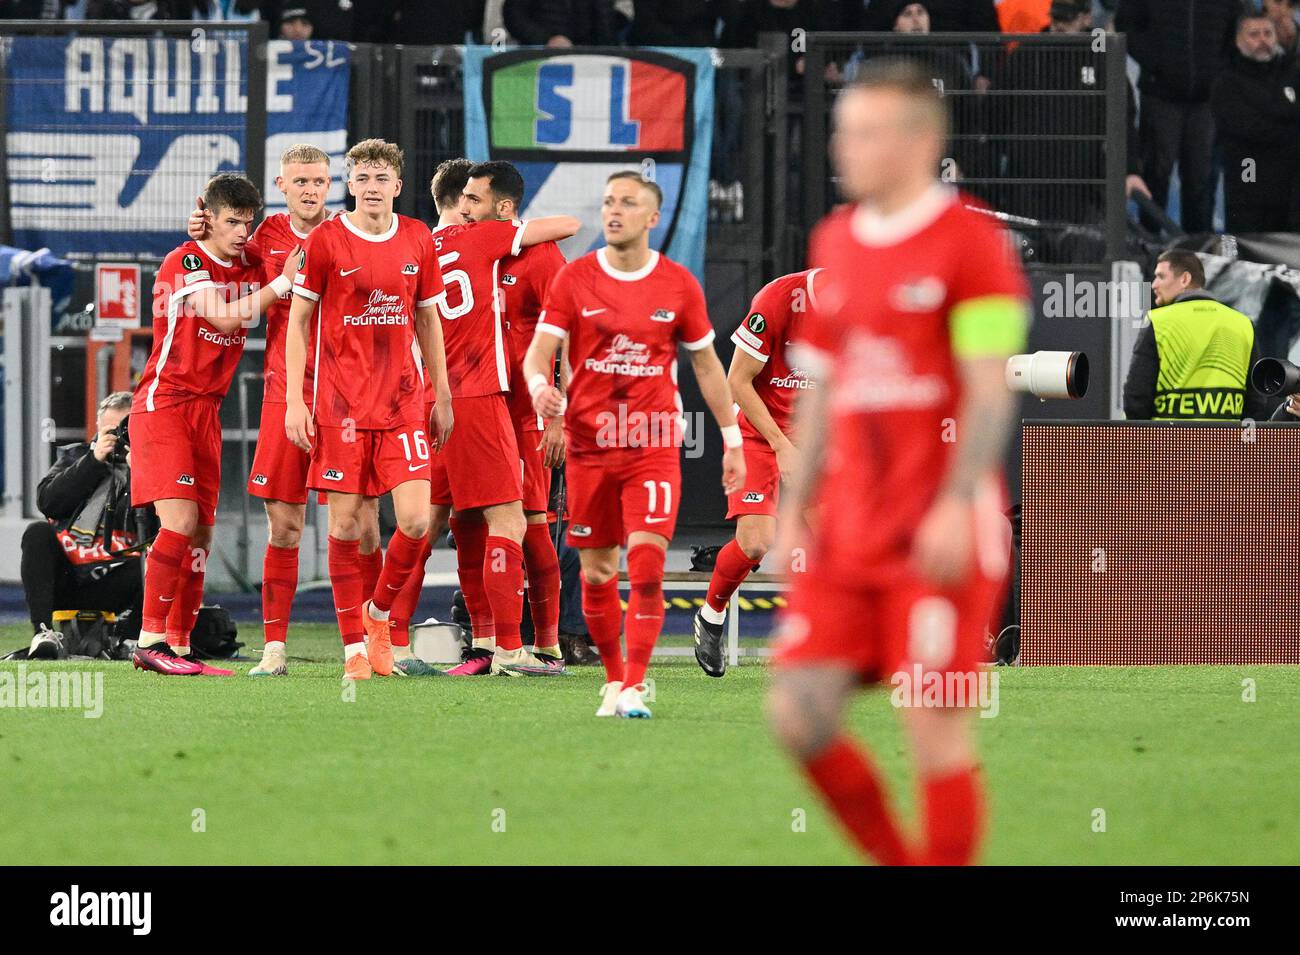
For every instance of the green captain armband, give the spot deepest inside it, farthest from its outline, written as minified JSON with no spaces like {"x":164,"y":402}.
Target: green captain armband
{"x":989,"y":327}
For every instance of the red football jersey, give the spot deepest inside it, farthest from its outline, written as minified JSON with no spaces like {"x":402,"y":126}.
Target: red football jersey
{"x":525,"y":279}
{"x":368,"y":368}
{"x":473,"y":326}
{"x":274,"y":239}
{"x":775,"y":318}
{"x":882,"y":330}
{"x":623,"y":330}
{"x":192,"y":358}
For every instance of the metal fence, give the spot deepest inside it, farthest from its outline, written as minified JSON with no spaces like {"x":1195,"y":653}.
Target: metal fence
{"x":1039,"y":134}
{"x":1039,"y":129}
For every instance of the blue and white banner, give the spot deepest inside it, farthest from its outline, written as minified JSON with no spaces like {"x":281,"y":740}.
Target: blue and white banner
{"x":109,"y":139}
{"x":567,"y":119}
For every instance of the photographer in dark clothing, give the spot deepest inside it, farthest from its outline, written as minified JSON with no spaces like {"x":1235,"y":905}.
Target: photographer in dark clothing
{"x":67,"y":560}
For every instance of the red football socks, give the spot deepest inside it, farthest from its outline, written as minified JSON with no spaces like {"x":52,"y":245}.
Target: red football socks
{"x":645,"y":608}
{"x":471,"y":538}
{"x":851,"y":786}
{"x":403,"y":552}
{"x":543,"y":568}
{"x":604,"y":616}
{"x":279,"y":584}
{"x":408,"y":598}
{"x":345,"y":581}
{"x":372,"y":565}
{"x":166,"y":553}
{"x":729,"y":572}
{"x":503,"y":583}
{"x":954,"y":817}
{"x":189,"y":597}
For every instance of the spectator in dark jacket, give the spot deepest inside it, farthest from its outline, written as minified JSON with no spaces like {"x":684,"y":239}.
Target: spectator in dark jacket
{"x":1053,"y":141}
{"x":1283,"y":14}
{"x":1182,"y":47}
{"x":330,"y":19}
{"x":1258,"y":117}
{"x":946,"y":16}
{"x":563,"y":23}
{"x":675,"y":23}
{"x":65,"y":566}
{"x":429,"y":22}
{"x":745,"y":20}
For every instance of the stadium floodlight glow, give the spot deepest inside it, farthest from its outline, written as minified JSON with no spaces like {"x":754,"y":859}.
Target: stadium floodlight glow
{"x":1049,"y":374}
{"x":1274,"y":376}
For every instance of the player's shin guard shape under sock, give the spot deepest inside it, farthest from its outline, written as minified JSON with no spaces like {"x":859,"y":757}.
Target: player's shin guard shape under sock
{"x":471,"y":538}
{"x":729,"y":572}
{"x":372,"y":566}
{"x":345,"y":582}
{"x":503,"y":582}
{"x":166,"y":553}
{"x":953,"y":813}
{"x":408,"y":598}
{"x":279,"y":584}
{"x":852,"y":787}
{"x":189,"y":597}
{"x":645,"y":608}
{"x":604,"y":615}
{"x":403,"y":552}
{"x":543,"y":568}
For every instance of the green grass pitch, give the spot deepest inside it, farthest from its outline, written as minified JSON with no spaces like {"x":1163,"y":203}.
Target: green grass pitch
{"x":497,"y":770}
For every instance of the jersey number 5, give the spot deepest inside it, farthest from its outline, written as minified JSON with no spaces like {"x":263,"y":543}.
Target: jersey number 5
{"x":458,"y":277}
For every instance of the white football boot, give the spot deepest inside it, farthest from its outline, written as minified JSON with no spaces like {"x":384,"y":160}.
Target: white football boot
{"x":631,"y":705}
{"x":609,"y":698}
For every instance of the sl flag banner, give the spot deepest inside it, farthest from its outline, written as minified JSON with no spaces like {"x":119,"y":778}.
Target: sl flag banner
{"x":569,"y":119}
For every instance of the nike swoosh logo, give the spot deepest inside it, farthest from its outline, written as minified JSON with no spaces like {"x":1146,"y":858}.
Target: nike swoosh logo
{"x":279,"y":251}
{"x":655,"y":520}
{"x":166,"y":600}
{"x":588,"y":312}
{"x":416,"y":467}
{"x":343,"y":274}
{"x":345,"y":609}
{"x":276,"y":620}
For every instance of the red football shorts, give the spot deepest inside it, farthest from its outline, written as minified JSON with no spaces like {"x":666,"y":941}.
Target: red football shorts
{"x":893,"y":625}
{"x":367,"y":461}
{"x":762,"y":490}
{"x":176,"y":453}
{"x":615,"y":492}
{"x":481,"y":460}
{"x":279,"y":467}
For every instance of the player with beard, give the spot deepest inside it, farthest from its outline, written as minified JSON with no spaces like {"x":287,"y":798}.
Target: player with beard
{"x":495,"y":190}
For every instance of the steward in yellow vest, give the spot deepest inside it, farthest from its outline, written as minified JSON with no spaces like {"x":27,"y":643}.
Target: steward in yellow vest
{"x":1193,"y":361}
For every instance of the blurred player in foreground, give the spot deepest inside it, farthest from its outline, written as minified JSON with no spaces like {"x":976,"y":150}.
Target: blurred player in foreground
{"x":764,"y":384}
{"x":199,"y":331}
{"x":624,"y":309}
{"x":902,"y":441}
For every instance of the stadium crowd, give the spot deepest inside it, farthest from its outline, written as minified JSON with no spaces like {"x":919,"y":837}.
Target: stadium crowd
{"x":1217,"y":99}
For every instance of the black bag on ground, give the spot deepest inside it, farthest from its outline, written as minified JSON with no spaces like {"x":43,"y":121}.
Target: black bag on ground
{"x":705,"y":558}
{"x":213,"y":636}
